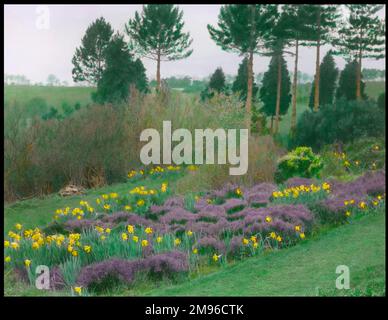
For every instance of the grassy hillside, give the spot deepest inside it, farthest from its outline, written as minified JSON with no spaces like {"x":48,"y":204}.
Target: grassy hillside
{"x":53,"y":95}
{"x":306,"y":269}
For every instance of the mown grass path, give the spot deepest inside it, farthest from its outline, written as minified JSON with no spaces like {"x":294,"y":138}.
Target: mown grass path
{"x":308,"y":269}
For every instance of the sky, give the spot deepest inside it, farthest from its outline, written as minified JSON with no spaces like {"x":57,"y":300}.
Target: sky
{"x":41,"y":40}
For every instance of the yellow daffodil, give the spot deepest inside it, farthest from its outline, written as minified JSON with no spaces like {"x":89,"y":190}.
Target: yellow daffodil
{"x":159,"y":239}
{"x":130,"y":228}
{"x":144,"y":243}
{"x":124,"y":236}
{"x":128,"y":208}
{"x":107,"y":230}
{"x":245,"y":241}
{"x":78,"y":290}
{"x":297,"y":228}
{"x":6,"y":243}
{"x":302,"y":235}
{"x":272,"y":235}
{"x":362,"y":205}
{"x":74,"y":253}
{"x":279,"y":238}
{"x":140,"y":202}
{"x":35,"y":245}
{"x":347,"y":213}
{"x":7,"y":259}
{"x":15,"y":245}
{"x":27,"y":263}
{"x":87,"y":249}
{"x":148,"y":230}
{"x":177,"y":241}
{"x":18,"y":226}
{"x":135,"y":238}
{"x":189,"y":233}
{"x":215,"y":257}
{"x":195,"y":251}
{"x":268,"y":219}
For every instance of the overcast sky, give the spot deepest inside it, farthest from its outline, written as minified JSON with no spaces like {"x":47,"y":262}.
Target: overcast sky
{"x":35,"y":51}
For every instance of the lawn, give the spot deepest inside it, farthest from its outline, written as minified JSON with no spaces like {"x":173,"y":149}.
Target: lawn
{"x":307,"y":269}
{"x":53,"y":95}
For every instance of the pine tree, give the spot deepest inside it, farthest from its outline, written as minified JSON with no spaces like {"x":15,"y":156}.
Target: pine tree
{"x":89,"y":58}
{"x":120,"y":73}
{"x":240,"y":29}
{"x":157,"y":33}
{"x":362,"y":35}
{"x":240,"y":83}
{"x":269,"y":89}
{"x":323,"y":19}
{"x":347,"y":83}
{"x":274,"y":45}
{"x":329,"y":74}
{"x":298,"y":23}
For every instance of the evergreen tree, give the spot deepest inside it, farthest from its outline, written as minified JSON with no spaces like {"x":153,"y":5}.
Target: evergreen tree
{"x":347,"y":83}
{"x":298,"y":23}
{"x":240,"y":83}
{"x":323,"y":19}
{"x":268,"y":89}
{"x":274,"y":45}
{"x":89,"y":58}
{"x":216,"y":84}
{"x":240,"y":29}
{"x":361,"y":36}
{"x":329,"y":74}
{"x":157,"y":34}
{"x":120,"y":73}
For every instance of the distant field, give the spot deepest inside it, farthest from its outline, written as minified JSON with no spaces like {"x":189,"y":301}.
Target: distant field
{"x":53,"y":95}
{"x":374,"y":88}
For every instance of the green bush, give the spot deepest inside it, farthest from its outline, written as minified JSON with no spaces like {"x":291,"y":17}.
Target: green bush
{"x":381,"y":101}
{"x":301,"y":162}
{"x":345,"y":121}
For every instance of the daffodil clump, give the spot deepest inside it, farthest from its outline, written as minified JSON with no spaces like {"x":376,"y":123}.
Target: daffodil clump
{"x":301,"y":194}
{"x":138,"y":200}
{"x":159,"y":172}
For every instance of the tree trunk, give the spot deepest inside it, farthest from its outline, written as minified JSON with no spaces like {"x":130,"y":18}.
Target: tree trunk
{"x":294,"y":90}
{"x":158,"y":73}
{"x":358,"y":77}
{"x":248,"y":103}
{"x":317,"y":67}
{"x":278,"y":93}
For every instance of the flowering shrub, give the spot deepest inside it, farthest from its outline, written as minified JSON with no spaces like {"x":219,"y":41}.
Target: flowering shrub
{"x":300,"y":162}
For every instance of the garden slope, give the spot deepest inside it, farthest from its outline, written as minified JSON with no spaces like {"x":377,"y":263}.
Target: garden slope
{"x":306,"y":269}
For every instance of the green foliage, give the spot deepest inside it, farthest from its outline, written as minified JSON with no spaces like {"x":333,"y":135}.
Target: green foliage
{"x":268,"y":90}
{"x":363,"y":33}
{"x":216,"y":85}
{"x":300,"y":162}
{"x":327,"y":83}
{"x":347,"y":82}
{"x":381,"y":101}
{"x":344,"y":121}
{"x":120,"y":73}
{"x":354,"y":158}
{"x":36,"y":107}
{"x":89,"y":58}
{"x":240,"y":84}
{"x":241,"y":28}
{"x":158,"y":32}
